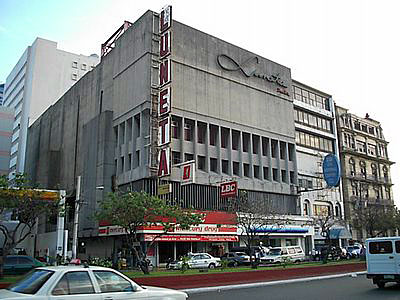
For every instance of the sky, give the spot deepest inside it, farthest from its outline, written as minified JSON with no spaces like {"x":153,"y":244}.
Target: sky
{"x":348,"y":49}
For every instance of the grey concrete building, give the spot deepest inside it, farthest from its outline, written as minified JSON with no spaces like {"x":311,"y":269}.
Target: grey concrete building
{"x":231,"y":112}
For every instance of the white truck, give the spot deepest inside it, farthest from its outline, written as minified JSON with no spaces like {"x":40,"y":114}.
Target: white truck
{"x":383,"y":260}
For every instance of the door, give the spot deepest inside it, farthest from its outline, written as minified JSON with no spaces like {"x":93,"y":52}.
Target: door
{"x":381,"y":257}
{"x":397,"y":256}
{"x":115,"y":287}
{"x":195,"y":261}
{"x":75,"y":285}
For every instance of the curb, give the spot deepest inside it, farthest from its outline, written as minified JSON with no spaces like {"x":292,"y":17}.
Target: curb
{"x":268,"y":283}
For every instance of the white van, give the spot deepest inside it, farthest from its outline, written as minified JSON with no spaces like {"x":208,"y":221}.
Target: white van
{"x":278,"y":255}
{"x":383,"y":260}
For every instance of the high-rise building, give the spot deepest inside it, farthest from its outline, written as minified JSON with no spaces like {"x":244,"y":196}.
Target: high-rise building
{"x":41,"y":76}
{"x":1,"y":93}
{"x":365,"y":165}
{"x":6,"y":125}
{"x":316,"y":137}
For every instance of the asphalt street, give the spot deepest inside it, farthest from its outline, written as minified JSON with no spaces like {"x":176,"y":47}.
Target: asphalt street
{"x":339,"y":288}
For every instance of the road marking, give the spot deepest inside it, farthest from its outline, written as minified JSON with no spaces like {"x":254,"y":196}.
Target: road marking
{"x":268,"y":283}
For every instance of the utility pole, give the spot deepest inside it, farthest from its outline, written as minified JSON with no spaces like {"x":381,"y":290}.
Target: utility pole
{"x":76,"y":218}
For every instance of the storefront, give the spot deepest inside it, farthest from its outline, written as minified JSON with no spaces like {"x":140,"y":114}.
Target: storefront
{"x":216,"y":235}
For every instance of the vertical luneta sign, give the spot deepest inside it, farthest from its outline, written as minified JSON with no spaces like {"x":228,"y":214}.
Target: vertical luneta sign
{"x":164,"y":97}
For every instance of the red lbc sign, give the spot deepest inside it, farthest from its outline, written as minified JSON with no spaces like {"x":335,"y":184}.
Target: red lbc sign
{"x":228,"y":189}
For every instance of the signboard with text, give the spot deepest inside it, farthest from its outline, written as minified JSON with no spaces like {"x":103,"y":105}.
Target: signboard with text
{"x":228,"y":189}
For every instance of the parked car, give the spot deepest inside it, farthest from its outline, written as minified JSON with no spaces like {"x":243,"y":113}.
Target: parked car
{"x":383,"y":260}
{"x":278,"y":255}
{"x":236,"y":258}
{"x":20,"y":264}
{"x":197,"y":260}
{"x":79,"y":282}
{"x":354,"y":251}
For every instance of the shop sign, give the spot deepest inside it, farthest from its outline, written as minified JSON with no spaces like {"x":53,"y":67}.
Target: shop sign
{"x":228,"y":189}
{"x":187,"y":173}
{"x":191,"y":238}
{"x":111,"y":230}
{"x":331,"y":170}
{"x":249,"y":68}
{"x":164,"y":189}
{"x":164,"y":96}
{"x":207,"y":229}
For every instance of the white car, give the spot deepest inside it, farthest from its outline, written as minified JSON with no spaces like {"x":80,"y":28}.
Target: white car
{"x":199,"y":261}
{"x":80,"y":282}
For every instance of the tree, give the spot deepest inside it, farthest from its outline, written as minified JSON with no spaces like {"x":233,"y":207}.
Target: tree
{"x":21,"y":203}
{"x":326,"y":222}
{"x":252,"y":217}
{"x":375,"y":219}
{"x":134,"y":210}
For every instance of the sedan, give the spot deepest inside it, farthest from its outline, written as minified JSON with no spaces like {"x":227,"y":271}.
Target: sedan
{"x":82,"y":282}
{"x":236,"y":258}
{"x":197,"y":260}
{"x":20,"y":264}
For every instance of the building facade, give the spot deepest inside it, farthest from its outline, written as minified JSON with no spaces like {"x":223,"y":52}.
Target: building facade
{"x":316,"y":137}
{"x":365,"y":164}
{"x":224,"y":108}
{"x":41,"y":76}
{"x":1,"y":93}
{"x":6,"y":125}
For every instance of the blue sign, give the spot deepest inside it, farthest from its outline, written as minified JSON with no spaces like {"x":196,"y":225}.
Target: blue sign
{"x":331,"y":170}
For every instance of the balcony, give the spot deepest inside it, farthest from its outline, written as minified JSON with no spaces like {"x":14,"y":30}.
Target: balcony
{"x":372,"y":201}
{"x":369,"y":178}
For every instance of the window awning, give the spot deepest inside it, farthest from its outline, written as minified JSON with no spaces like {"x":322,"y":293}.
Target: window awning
{"x":339,"y":233}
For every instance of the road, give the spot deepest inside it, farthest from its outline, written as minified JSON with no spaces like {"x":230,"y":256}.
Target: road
{"x":338,"y":288}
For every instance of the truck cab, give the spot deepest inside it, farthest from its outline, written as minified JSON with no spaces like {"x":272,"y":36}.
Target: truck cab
{"x":383,"y":260}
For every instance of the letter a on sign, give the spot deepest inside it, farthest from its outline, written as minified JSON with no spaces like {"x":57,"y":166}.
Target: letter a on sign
{"x":163,"y":162}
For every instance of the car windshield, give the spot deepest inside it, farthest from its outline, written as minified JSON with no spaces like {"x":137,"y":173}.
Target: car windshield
{"x":274,"y":252}
{"x":32,"y":282}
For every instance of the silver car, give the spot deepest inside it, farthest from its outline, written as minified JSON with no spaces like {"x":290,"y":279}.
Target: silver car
{"x":80,"y":282}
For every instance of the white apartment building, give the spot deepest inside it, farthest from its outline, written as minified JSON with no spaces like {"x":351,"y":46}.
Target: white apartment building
{"x":1,"y":93}
{"x":316,"y":137}
{"x":39,"y":78}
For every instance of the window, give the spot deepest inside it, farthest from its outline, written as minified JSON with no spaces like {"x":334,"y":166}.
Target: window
{"x":213,"y":135}
{"x":381,"y":247}
{"x":176,"y":157}
{"x":397,"y":245}
{"x":236,"y":168}
{"x":73,"y":283}
{"x":75,"y":64}
{"x":188,"y":131}
{"x":265,"y":146}
{"x":284,"y":176}
{"x":189,"y":157}
{"x":201,"y":162}
{"x":266,"y":173}
{"x":246,"y":142}
{"x":246,"y":170}
{"x":213,"y":164}
{"x":256,"y":172}
{"x":111,"y":282}
{"x":282,"y":150}
{"x":175,"y":126}
{"x":275,"y":174}
{"x":201,"y":132}
{"x":235,"y":140}
{"x":274,"y":146}
{"x":224,"y":137}
{"x":32,"y":282}
{"x":225,"y":166}
{"x":291,"y":175}
{"x":306,"y":208}
{"x":84,"y":67}
{"x":74,"y":76}
{"x":256,"y":144}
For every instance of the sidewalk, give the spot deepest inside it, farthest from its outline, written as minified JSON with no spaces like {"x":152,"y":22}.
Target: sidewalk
{"x":220,"y":279}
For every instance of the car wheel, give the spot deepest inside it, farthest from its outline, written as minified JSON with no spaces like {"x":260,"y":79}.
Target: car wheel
{"x":297,"y":261}
{"x":211,"y":266}
{"x":380,"y":284}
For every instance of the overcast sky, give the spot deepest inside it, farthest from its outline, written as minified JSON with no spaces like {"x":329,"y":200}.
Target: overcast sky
{"x":349,"y":49}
